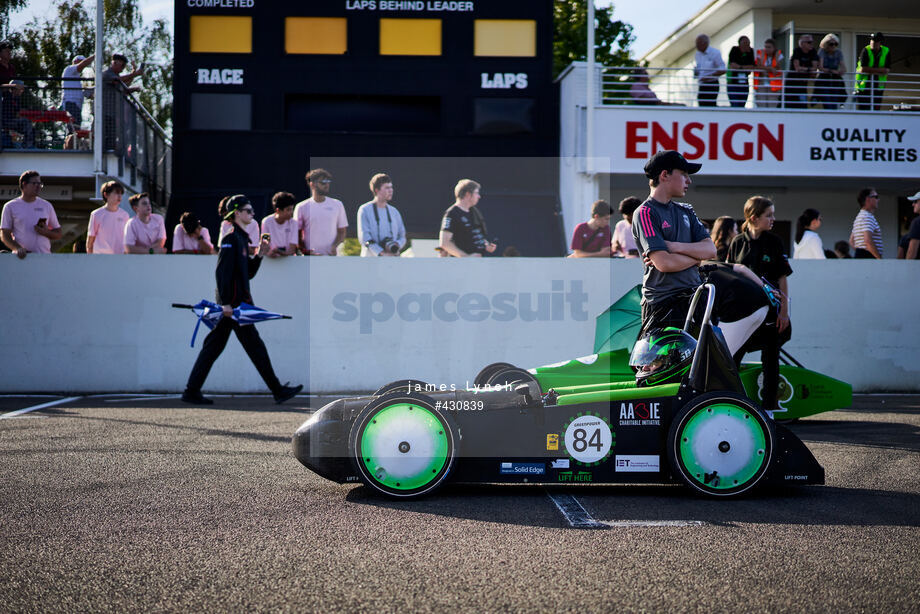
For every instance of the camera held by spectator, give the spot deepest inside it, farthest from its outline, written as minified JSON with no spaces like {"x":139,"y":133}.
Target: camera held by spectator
{"x":388,"y":245}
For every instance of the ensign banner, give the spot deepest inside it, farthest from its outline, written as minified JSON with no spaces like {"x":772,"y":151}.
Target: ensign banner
{"x":747,"y":142}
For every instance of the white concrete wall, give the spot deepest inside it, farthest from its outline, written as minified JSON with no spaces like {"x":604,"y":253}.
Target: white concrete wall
{"x":75,"y":323}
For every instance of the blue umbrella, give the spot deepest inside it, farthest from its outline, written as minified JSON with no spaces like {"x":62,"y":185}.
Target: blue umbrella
{"x":211,"y":313}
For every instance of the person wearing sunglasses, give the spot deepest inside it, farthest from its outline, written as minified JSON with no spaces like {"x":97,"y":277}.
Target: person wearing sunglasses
{"x":235,"y":267}
{"x":866,"y":237}
{"x":830,"y":90}
{"x":804,"y":63}
{"x":320,"y":218}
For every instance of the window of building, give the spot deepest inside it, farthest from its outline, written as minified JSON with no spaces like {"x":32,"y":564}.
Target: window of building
{"x":220,"y":34}
{"x":410,"y":37}
{"x":316,"y":35}
{"x":505,"y":37}
{"x":503,"y":115}
{"x":221,"y":112}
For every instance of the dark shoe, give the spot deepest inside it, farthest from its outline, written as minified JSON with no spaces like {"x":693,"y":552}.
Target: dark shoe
{"x":286,"y":393}
{"x":195,"y":398}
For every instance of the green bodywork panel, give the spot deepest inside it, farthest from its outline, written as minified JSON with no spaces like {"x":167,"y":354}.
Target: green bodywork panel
{"x":608,"y":376}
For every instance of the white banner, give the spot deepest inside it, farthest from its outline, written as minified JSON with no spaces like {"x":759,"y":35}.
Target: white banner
{"x":748,"y":142}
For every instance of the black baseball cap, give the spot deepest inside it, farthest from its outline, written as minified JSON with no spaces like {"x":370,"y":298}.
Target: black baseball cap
{"x":669,"y":160}
{"x":877,"y":36}
{"x":236,"y":202}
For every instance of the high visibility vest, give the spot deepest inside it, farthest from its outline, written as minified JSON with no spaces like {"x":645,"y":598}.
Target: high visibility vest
{"x":862,"y":78}
{"x":776,"y":81}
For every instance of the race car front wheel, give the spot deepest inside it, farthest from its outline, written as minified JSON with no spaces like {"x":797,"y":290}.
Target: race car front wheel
{"x":721,"y":444}
{"x":403,"y":446}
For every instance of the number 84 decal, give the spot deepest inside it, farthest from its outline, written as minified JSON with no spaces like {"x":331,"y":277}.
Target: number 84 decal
{"x":588,"y":439}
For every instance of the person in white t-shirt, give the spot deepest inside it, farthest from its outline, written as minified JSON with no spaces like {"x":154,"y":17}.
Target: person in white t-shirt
{"x":146,"y":232}
{"x":190,"y":237}
{"x":280,"y":226}
{"x":320,"y":219}
{"x":71,"y":84}
{"x":106,"y":233}
{"x":808,"y":243}
{"x":29,"y":224}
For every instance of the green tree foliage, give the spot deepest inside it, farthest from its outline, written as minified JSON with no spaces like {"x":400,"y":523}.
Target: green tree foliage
{"x":47,"y":44}
{"x":611,"y":38}
{"x":7,"y":7}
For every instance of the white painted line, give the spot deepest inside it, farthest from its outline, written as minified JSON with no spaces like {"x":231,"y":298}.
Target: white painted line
{"x":26,"y":410}
{"x":143,"y":398}
{"x":576,"y":515}
{"x":617,"y":524}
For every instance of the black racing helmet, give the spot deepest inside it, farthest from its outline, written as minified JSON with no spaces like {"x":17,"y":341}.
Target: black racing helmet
{"x":662,"y":356}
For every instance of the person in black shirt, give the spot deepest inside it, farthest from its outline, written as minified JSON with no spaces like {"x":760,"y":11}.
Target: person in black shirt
{"x":740,"y":63}
{"x":762,"y":252}
{"x":724,"y":229}
{"x":235,"y":267}
{"x":463,"y":229}
{"x":804,"y":64}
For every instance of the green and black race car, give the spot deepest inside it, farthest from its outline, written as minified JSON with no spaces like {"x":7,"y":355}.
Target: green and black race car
{"x":696,"y":427}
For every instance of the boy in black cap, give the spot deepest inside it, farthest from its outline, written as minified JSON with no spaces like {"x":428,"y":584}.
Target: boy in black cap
{"x":234,"y":270}
{"x":672,"y":240}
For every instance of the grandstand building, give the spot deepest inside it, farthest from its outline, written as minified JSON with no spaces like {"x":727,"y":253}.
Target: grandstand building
{"x":799,"y":157}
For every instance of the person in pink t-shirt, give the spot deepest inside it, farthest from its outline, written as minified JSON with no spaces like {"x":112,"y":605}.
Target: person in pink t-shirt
{"x":281,"y":227}
{"x":106,"y":234}
{"x":29,"y":223}
{"x":321,"y":219}
{"x":190,"y":237}
{"x":623,"y":245}
{"x":146,"y":232}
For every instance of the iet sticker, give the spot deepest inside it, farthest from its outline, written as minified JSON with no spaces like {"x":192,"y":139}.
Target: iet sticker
{"x":625,"y":463}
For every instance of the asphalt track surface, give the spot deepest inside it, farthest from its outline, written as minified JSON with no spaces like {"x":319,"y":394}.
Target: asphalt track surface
{"x":114,"y":504}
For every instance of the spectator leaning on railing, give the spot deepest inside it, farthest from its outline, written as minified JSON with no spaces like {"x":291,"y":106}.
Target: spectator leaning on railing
{"x":872,"y":74}
{"x":29,"y":224}
{"x":768,"y":78}
{"x":804,"y":64}
{"x":830,"y":89}
{"x":145,"y":233}
{"x":17,"y":131}
{"x":7,"y":68}
{"x":106,"y":232}
{"x":741,"y":63}
{"x":190,"y":237}
{"x":112,"y":80}
{"x":592,"y":239}
{"x":380,"y":226}
{"x":280,"y":227}
{"x":709,"y":67}
{"x":320,"y":218}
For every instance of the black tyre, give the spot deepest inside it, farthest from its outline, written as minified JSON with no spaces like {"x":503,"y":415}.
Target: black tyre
{"x":510,"y":377}
{"x":721,"y":444}
{"x":488,"y":371}
{"x":405,"y":385}
{"x":402,"y":446}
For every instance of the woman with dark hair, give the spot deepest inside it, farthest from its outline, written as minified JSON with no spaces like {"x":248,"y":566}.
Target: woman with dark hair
{"x":808,"y":244}
{"x":723,"y":231}
{"x":762,"y":251}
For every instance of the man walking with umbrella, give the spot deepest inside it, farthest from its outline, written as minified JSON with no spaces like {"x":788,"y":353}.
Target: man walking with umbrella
{"x":234,"y":270}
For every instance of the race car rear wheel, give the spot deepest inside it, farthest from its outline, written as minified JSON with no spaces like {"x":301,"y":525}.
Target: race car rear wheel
{"x":403,"y":446}
{"x":510,"y":376}
{"x":482,"y":378}
{"x":405,"y":385}
{"x":721,"y":444}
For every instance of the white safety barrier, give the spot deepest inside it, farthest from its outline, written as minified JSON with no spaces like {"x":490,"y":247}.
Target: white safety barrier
{"x":76,"y":323}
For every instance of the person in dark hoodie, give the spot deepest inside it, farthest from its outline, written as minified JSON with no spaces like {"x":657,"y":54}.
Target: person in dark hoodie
{"x":235,"y":267}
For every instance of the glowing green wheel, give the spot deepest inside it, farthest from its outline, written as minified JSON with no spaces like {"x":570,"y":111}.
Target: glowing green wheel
{"x":403,"y":446}
{"x":721,"y":444}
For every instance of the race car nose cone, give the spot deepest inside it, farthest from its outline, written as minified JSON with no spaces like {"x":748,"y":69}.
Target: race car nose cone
{"x":724,"y":446}
{"x":404,"y":447}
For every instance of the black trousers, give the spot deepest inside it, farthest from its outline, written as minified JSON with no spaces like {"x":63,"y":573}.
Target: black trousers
{"x":708,"y":93}
{"x":768,"y":340}
{"x":215,"y":343}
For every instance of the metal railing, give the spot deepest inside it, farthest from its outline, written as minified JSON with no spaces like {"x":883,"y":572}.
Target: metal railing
{"x":55,"y":114}
{"x":757,"y":89}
